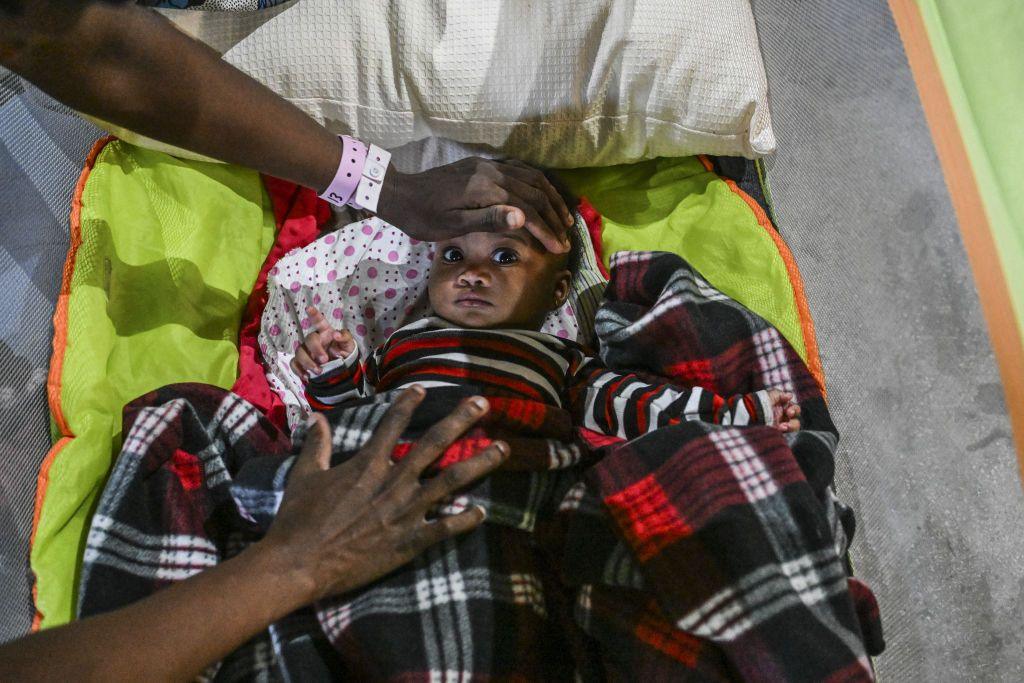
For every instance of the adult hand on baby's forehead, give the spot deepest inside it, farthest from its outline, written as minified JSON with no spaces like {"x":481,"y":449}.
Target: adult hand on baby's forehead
{"x":475,"y":195}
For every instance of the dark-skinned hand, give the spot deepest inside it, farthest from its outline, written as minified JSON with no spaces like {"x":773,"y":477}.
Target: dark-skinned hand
{"x":350,"y":524}
{"x":475,"y":195}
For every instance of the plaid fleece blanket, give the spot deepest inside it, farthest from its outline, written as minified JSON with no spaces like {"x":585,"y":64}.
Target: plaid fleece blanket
{"x":695,"y":552}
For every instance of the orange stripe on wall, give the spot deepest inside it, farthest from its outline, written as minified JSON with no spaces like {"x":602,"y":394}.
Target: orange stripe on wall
{"x":797,"y":282}
{"x":60,"y":341}
{"x":970,"y":212}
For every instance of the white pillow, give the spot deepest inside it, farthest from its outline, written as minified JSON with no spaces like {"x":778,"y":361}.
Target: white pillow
{"x":562,"y":83}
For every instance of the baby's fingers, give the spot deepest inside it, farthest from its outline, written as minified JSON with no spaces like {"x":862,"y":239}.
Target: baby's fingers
{"x":320,"y":323}
{"x":341,"y":343}
{"x":303,"y":365}
{"x":789,"y":426}
{"x":315,"y":347}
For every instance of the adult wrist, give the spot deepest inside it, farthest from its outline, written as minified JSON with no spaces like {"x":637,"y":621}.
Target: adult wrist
{"x":391,"y":194}
{"x":359,"y":178}
{"x":286,"y":571}
{"x":349,"y":172}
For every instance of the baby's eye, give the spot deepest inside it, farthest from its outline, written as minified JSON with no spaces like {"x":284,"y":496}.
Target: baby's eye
{"x":505,"y":257}
{"x":451,"y":255}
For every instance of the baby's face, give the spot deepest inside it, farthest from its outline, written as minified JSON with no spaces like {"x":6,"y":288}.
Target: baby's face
{"x":506,"y":279}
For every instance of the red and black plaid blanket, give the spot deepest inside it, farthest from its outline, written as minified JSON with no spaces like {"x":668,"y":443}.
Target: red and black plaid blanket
{"x":695,"y":552}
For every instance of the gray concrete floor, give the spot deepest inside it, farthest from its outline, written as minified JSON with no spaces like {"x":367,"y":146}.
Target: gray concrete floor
{"x":927,"y":459}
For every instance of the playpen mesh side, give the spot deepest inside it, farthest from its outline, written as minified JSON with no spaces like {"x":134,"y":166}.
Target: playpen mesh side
{"x":42,"y":149}
{"x":926,"y":454}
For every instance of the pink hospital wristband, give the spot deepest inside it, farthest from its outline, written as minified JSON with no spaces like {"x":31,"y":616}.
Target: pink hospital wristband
{"x":350,"y":172}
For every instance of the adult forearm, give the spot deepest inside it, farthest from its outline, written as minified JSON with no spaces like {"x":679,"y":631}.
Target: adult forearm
{"x":133,"y":68}
{"x":172,"y":635}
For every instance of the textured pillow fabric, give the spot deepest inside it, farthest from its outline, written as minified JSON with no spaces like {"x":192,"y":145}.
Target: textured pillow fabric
{"x":563,"y":83}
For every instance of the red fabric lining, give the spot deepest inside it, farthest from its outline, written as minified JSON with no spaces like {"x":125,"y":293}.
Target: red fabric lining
{"x":299,"y":216}
{"x":594,"y":226}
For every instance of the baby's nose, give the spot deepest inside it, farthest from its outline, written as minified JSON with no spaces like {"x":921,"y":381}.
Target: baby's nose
{"x":473,"y":277}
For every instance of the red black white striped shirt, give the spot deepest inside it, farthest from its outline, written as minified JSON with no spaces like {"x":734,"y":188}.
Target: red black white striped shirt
{"x":524,"y":364}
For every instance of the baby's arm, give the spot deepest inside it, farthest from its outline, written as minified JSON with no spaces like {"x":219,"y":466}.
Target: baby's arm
{"x":328,"y":364}
{"x":624,"y":405}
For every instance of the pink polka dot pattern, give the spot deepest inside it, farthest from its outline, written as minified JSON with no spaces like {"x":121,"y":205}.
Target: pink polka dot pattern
{"x":332,"y":275}
{"x":390,"y":294}
{"x":306,"y":322}
{"x":349,"y":250}
{"x":361,"y":330}
{"x":330,"y":239}
{"x":367,"y":230}
{"x":311,"y":261}
{"x":392,"y":256}
{"x":337,"y":313}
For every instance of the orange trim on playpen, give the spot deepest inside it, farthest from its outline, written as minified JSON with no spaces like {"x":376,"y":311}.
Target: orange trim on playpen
{"x":993,"y":291}
{"x":60,"y":340}
{"x":797,"y":282}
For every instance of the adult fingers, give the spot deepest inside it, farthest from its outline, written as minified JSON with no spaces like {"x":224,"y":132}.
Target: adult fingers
{"x":429,"y":446}
{"x":502,"y":217}
{"x":439,"y":529}
{"x":539,"y":200}
{"x":528,"y":174}
{"x":553,"y":238}
{"x":379,"y":447}
{"x":494,"y":218}
{"x":315,"y":454}
{"x":458,"y":476}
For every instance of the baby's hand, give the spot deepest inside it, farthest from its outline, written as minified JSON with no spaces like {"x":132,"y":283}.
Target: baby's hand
{"x":785,"y":413}
{"x":324,"y":343}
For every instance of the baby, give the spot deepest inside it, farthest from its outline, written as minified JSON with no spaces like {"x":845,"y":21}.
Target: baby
{"x":490,"y":294}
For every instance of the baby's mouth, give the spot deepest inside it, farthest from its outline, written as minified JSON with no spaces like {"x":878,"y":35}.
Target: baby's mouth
{"x":472,"y":301}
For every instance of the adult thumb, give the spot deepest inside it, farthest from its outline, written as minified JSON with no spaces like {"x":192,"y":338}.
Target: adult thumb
{"x":497,"y":218}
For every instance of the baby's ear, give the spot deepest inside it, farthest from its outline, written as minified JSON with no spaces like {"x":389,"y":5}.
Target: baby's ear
{"x":563,"y":282}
